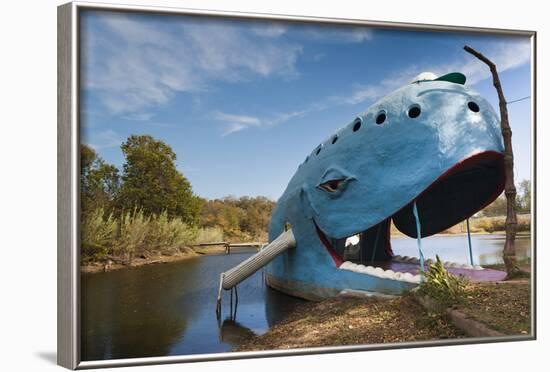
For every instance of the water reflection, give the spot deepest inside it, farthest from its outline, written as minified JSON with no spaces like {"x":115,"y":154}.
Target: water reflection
{"x":233,"y":332}
{"x":170,"y":309}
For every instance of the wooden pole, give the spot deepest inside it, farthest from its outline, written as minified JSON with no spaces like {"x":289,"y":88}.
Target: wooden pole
{"x":509,"y":252}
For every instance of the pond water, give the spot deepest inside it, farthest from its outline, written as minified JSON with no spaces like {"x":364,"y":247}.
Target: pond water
{"x":169,"y":309}
{"x":486,"y":248}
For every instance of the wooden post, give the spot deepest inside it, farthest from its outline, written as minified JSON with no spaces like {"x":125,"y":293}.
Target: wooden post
{"x":509,"y":252}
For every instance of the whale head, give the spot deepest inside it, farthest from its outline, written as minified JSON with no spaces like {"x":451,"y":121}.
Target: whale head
{"x":433,"y":142}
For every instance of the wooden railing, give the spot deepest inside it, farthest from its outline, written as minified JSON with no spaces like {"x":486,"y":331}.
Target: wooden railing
{"x":228,"y":245}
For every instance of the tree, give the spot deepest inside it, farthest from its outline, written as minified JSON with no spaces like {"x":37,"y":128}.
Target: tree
{"x":152,"y":182}
{"x":496,"y":208}
{"x":240,"y":219}
{"x":99,"y":181}
{"x":509,"y":251}
{"x":525,"y":199}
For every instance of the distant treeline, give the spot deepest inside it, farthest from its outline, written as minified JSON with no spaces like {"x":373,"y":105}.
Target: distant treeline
{"x":149,"y":207}
{"x":523,"y":202}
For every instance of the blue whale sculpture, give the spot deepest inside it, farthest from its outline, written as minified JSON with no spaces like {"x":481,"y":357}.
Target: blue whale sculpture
{"x":433,"y":143}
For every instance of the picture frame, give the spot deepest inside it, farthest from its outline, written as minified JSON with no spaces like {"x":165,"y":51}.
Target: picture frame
{"x":68,"y":178}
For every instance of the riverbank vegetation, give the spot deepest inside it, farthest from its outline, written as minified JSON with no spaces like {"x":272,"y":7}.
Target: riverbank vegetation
{"x":149,"y":209}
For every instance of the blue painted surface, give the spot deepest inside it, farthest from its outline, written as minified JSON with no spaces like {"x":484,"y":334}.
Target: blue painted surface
{"x":383,"y":168}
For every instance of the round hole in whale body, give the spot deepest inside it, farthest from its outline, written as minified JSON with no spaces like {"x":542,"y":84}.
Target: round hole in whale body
{"x":414,"y":111}
{"x":318,"y":150}
{"x":334,"y":139}
{"x":357,"y":125}
{"x":473,"y":106}
{"x":381,"y":117}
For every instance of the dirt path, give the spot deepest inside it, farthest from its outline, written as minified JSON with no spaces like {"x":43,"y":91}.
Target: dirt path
{"x":502,"y":306}
{"x":350,"y":321}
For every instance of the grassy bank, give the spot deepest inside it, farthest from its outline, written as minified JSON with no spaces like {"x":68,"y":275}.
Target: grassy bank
{"x":134,"y":239}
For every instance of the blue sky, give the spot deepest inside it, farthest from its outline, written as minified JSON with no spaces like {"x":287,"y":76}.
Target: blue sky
{"x":243,"y":102}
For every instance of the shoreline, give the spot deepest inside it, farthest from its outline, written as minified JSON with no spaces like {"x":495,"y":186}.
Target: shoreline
{"x":110,"y":265}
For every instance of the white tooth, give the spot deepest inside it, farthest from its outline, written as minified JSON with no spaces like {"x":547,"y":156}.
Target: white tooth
{"x":361,"y":269}
{"x":369,"y":270}
{"x":407,"y":277}
{"x":398,"y":275}
{"x":344,"y":265}
{"x":348,"y":265}
{"x":379,"y":272}
{"x":389,"y":274}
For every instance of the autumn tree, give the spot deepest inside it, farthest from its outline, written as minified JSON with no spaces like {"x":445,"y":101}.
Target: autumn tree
{"x":240,"y":219}
{"x":152,"y":182}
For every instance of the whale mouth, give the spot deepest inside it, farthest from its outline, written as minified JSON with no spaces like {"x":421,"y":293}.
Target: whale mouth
{"x":460,"y":192}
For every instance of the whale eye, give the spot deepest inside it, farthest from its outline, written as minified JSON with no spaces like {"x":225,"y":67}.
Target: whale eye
{"x":334,"y":182}
{"x":414,"y":111}
{"x":332,"y":185}
{"x":381,"y":117}
{"x":473,"y":106}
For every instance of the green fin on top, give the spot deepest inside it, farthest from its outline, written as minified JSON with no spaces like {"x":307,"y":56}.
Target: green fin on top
{"x":453,"y":77}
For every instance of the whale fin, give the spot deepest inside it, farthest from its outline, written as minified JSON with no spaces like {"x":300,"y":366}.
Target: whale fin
{"x":453,"y":77}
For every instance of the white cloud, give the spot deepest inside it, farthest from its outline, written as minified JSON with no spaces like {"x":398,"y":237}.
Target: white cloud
{"x":135,"y":65}
{"x":236,"y":123}
{"x":269,"y":30}
{"x":106,"y":139}
{"x":140,"y":116}
{"x":336,"y":34}
{"x":505,"y":55}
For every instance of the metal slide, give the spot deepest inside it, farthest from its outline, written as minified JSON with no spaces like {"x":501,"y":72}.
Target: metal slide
{"x":234,"y":276}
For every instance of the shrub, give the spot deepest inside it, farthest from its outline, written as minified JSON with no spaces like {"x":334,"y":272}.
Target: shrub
{"x":169,"y":235}
{"x":492,"y":224}
{"x":97,"y":234}
{"x":442,"y":286}
{"x":209,"y":235}
{"x":132,"y":231}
